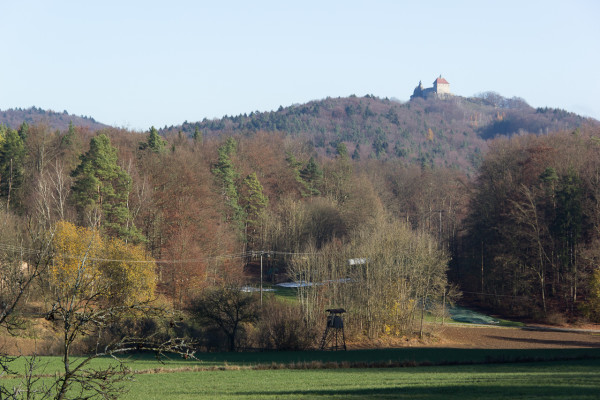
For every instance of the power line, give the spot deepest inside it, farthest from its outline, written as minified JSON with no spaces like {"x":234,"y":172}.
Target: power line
{"x":23,"y":250}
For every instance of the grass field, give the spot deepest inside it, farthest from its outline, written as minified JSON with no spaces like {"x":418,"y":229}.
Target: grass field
{"x":407,"y":356}
{"x":551,"y":380}
{"x":447,"y":373}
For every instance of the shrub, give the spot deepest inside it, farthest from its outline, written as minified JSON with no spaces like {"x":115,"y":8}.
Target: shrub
{"x":282,"y":327}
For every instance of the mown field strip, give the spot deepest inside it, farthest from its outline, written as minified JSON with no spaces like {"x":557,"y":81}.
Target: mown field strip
{"x":397,"y":357}
{"x":434,"y":373}
{"x":550,"y":380}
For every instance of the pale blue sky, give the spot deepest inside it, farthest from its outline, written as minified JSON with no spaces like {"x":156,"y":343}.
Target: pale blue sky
{"x":134,"y":64}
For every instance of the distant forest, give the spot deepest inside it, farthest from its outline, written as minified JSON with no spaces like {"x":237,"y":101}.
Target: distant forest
{"x":14,"y":117}
{"x":449,"y":133}
{"x":484,"y":198}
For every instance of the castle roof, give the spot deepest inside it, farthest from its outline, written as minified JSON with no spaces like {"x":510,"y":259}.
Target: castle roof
{"x":441,"y":80}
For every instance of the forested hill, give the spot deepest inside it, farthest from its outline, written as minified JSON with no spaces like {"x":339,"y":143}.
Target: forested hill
{"x":451,"y":133}
{"x":14,"y":117}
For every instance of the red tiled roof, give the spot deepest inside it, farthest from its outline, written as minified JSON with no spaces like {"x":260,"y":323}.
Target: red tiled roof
{"x":441,"y":80}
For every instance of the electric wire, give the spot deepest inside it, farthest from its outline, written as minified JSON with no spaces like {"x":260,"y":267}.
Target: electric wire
{"x":23,"y":250}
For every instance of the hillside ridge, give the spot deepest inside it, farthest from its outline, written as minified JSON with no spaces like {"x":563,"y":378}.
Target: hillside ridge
{"x":14,"y":117}
{"x":450,"y":131}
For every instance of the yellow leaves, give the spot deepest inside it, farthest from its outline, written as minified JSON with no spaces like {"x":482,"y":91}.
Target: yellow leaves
{"x":87,"y":265}
{"x":387,"y":329}
{"x":76,"y":249}
{"x":594,"y":295}
{"x":430,"y":135}
{"x":595,"y":285}
{"x":391,"y":330}
{"x":130,"y":273}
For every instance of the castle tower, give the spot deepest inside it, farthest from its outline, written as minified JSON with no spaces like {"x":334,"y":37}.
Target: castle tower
{"x":418,"y":92}
{"x":441,"y":87}
{"x":440,"y":90}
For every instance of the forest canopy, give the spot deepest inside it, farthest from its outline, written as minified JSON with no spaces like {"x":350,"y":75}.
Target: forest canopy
{"x":179,"y":216}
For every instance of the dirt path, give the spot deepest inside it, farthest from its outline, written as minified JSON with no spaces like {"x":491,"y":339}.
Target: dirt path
{"x":515,"y":338}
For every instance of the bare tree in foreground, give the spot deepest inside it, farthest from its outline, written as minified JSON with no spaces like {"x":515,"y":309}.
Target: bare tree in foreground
{"x":93,"y":284}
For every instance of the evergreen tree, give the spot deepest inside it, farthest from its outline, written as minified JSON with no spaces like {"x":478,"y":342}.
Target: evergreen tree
{"x":227,"y":177}
{"x":12,"y":157}
{"x":67,"y":139}
{"x":101,"y":190}
{"x":24,"y":131}
{"x":311,"y":176}
{"x":155,"y":142}
{"x":254,"y":202}
{"x":356,"y":153}
{"x":197,"y":136}
{"x":380,"y":143}
{"x":342,"y":150}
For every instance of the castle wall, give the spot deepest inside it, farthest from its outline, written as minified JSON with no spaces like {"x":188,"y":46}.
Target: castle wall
{"x":442,"y":88}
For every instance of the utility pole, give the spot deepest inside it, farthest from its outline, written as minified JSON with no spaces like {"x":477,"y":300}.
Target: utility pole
{"x":440,"y":230}
{"x":482,"y":269}
{"x":261,"y":278}
{"x":10,"y":176}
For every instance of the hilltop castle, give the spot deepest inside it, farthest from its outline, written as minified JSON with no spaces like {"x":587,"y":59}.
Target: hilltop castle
{"x":440,"y":89}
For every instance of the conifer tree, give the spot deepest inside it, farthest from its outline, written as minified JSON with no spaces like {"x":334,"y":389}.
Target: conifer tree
{"x":12,"y":157}
{"x":155,"y":142}
{"x":67,"y":139}
{"x":197,"y":136}
{"x":254,"y":202}
{"x":24,"y":130}
{"x":101,"y":190}
{"x":311,"y":176}
{"x":356,"y":153}
{"x":227,"y":177}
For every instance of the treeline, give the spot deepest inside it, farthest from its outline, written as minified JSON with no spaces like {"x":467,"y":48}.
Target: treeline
{"x":521,"y":237}
{"x":443,"y":133}
{"x":14,"y":117}
{"x":201,"y":207}
{"x":533,"y":229}
{"x":124,"y":241}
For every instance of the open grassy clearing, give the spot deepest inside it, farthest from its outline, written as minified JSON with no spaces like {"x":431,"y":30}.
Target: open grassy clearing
{"x":552,"y":380}
{"x":469,"y":374}
{"x":549,"y":380}
{"x":354,"y":358}
{"x":408,"y":356}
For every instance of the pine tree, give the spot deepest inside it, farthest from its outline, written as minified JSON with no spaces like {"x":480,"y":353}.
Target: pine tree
{"x":12,"y":157}
{"x":155,"y":142}
{"x":254,"y":202}
{"x":311,"y":176}
{"x":197,"y":136}
{"x":101,"y":190}
{"x":227,"y":177}
{"x":356,"y":153}
{"x":342,"y":150}
{"x":253,"y":199}
{"x":24,"y":131}
{"x":67,"y":139}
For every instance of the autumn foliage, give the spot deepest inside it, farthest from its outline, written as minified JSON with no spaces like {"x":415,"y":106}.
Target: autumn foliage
{"x":204,"y":201}
{"x":85,"y":264}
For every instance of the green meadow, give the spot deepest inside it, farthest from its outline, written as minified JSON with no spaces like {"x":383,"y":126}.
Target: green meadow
{"x":550,"y":380}
{"x":407,"y":373}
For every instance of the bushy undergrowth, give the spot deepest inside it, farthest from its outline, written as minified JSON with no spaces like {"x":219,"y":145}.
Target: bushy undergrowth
{"x":282,"y":327}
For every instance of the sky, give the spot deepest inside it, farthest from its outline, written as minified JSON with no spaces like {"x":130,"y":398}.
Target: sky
{"x":135,"y":64}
